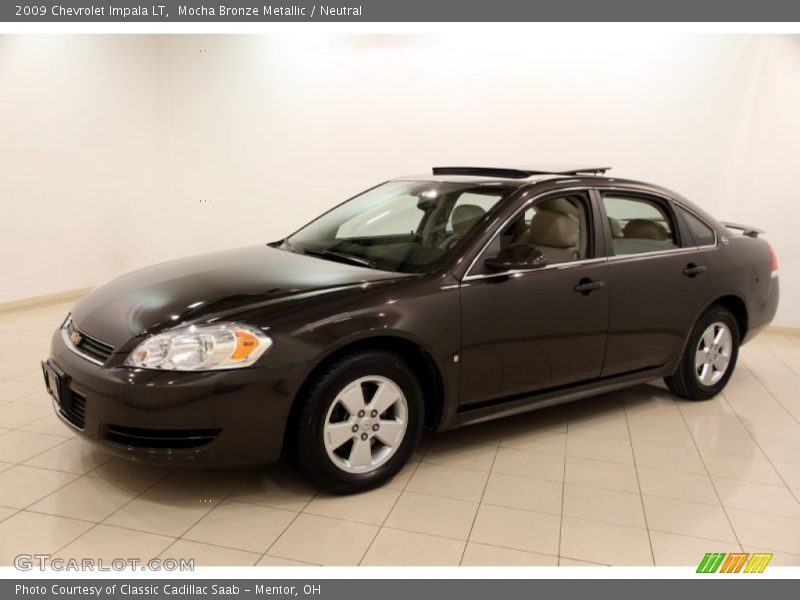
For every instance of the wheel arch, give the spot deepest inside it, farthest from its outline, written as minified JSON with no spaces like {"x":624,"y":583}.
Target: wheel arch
{"x":733,"y":303}
{"x":418,"y":358}
{"x":738,"y":308}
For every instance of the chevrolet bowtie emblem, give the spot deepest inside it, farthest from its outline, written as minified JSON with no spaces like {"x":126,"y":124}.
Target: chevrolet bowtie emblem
{"x":75,"y":338}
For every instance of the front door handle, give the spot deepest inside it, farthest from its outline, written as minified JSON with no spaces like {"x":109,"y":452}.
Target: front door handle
{"x":586,"y":286}
{"x":692,"y":270}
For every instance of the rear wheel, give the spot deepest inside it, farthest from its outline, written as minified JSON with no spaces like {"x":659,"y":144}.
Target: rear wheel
{"x":710,"y":356}
{"x":360,"y":422}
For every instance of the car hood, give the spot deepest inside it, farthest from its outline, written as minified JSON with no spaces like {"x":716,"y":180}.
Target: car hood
{"x":149,"y":299}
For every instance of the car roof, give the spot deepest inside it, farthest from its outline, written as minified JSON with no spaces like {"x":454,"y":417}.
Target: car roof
{"x":521,"y":172}
{"x":517,"y":176}
{"x":525,"y":176}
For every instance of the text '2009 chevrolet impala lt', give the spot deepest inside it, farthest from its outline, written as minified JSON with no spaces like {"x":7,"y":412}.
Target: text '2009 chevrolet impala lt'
{"x":431,"y":301}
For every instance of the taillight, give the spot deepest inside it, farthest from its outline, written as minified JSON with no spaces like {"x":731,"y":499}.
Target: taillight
{"x":773,"y":258}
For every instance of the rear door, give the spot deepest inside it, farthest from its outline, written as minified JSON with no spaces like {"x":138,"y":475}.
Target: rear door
{"x":657,"y":277}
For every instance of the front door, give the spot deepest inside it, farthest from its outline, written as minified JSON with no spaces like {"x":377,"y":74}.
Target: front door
{"x":530,"y":331}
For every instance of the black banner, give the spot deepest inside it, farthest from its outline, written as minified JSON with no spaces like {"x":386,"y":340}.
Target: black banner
{"x":741,"y":587}
{"x":397,"y":10}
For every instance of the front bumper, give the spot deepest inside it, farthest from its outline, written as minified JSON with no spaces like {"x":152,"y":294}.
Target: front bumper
{"x":215,"y":418}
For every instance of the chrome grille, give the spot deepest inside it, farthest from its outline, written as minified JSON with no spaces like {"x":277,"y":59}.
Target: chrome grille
{"x":86,"y":345}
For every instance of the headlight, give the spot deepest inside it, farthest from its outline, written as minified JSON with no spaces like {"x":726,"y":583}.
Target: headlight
{"x":201,"y":348}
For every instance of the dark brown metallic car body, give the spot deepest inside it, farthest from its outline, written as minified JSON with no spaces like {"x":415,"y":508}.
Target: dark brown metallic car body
{"x":484,"y":345}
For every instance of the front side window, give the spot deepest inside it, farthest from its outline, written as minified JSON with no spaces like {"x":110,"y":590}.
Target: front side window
{"x":405,"y":226}
{"x":556,"y":227}
{"x":639,"y":225}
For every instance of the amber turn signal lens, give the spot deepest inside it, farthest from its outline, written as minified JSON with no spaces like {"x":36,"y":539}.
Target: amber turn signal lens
{"x":246,"y":343}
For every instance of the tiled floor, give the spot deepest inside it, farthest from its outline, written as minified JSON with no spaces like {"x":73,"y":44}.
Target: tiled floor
{"x":630,"y":478}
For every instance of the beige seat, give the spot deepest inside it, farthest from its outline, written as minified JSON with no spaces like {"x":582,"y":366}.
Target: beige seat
{"x":555,"y":234}
{"x":616,"y":227}
{"x":562,"y":205}
{"x":464,"y":218}
{"x":643,"y":229}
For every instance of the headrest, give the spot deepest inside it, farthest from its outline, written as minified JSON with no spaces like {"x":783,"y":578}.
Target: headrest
{"x":464,"y":217}
{"x":561,"y":205}
{"x":643,"y":229}
{"x":616,"y":227}
{"x":553,"y":229}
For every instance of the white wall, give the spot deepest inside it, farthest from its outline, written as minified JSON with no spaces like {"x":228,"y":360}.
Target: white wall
{"x":121,"y":151}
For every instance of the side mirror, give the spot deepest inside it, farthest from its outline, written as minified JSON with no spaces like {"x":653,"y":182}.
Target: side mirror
{"x":517,"y":257}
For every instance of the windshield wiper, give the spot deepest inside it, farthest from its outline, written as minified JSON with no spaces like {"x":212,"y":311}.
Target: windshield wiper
{"x":341,"y":257}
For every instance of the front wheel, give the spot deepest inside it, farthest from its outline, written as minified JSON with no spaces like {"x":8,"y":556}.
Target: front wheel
{"x":710,"y":356}
{"x":360,"y":422}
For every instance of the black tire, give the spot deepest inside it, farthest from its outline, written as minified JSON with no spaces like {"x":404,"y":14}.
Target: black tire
{"x":310,"y":453}
{"x":686,"y":382}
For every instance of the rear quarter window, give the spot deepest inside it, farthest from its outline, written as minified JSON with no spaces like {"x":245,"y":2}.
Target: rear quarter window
{"x":703,"y":234}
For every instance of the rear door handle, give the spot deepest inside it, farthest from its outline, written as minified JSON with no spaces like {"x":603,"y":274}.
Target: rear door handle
{"x":586,"y":286}
{"x":692,"y":270}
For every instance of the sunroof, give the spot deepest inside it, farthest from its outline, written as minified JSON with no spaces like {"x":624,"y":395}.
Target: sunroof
{"x":519,"y":172}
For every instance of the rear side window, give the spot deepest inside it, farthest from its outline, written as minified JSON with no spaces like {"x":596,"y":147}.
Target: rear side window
{"x":702,"y":233}
{"x":639,"y":225}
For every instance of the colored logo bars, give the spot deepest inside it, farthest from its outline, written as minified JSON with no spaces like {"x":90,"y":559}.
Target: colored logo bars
{"x":736,"y":562}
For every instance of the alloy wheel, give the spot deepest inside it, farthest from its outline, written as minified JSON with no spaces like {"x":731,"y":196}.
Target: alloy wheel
{"x":365,"y":424}
{"x":713,"y":353}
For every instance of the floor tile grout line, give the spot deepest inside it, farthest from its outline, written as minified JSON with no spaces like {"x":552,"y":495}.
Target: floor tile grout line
{"x":394,"y":504}
{"x":62,"y":471}
{"x":480,"y":503}
{"x":22,"y":464}
{"x":393,"y":528}
{"x":543,"y":480}
{"x":563,"y":491}
{"x":49,"y":413}
{"x":176,"y":540}
{"x":285,"y":529}
{"x":387,"y":527}
{"x":14,"y":512}
{"x":784,"y":363}
{"x":633,"y":527}
{"x":761,"y":449}
{"x":774,"y":397}
{"x":234,"y":490}
{"x":203,"y":516}
{"x":713,"y":485}
{"x":96,"y":524}
{"x":639,"y":485}
{"x":335,"y":518}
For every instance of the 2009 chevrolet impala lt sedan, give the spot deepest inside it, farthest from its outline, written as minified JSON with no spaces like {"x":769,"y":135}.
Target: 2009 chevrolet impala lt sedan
{"x":431,"y":301}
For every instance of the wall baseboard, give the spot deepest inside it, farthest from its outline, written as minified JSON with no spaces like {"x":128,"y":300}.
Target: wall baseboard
{"x":783,"y":330}
{"x":37,"y":301}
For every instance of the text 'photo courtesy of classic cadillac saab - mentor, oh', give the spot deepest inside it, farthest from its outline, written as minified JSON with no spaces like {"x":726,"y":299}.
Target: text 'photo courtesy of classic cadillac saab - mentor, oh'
{"x":431,"y":301}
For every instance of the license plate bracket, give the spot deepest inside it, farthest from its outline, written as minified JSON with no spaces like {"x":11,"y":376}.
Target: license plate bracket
{"x":57,"y":384}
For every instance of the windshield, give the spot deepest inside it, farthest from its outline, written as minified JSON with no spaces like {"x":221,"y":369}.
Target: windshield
{"x":405,"y":226}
